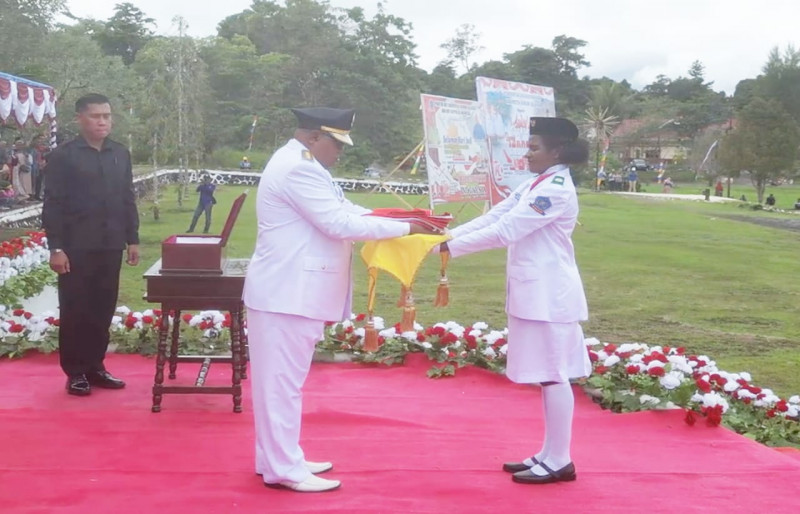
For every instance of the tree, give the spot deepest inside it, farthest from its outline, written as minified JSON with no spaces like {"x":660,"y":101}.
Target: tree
{"x":765,"y":143}
{"x":781,"y":80}
{"x":567,"y":53}
{"x":23,"y":25}
{"x":125,"y":33}
{"x":463,"y":46}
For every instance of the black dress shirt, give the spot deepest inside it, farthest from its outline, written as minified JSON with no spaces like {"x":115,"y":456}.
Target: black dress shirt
{"x":89,"y":201}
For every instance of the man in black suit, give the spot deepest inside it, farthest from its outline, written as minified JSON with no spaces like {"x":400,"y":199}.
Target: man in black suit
{"x":90,"y":217}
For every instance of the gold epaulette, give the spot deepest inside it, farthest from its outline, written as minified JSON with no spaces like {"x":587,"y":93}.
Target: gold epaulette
{"x":307,"y":155}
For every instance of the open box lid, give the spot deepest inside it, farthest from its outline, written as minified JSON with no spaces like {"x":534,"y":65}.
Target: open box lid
{"x":235,"y":208}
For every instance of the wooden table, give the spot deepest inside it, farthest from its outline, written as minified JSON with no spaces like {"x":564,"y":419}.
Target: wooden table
{"x":199,"y":291}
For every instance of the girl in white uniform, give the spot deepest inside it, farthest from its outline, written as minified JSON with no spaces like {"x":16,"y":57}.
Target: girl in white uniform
{"x":544,"y":295}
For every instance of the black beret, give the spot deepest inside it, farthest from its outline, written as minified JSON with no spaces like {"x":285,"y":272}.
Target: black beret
{"x":336,"y":122}
{"x":555,"y":127}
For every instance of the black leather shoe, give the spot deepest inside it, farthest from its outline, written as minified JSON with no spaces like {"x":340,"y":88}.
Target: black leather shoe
{"x":78,"y":385}
{"x":105,"y":380}
{"x":516,"y":467}
{"x":565,"y":474}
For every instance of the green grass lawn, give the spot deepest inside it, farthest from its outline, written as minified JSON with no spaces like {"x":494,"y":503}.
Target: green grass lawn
{"x":655,"y":271}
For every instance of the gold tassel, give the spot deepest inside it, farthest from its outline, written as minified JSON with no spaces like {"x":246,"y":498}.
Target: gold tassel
{"x":409,"y":312}
{"x":370,"y":337}
{"x":403,"y":292}
{"x":443,"y":291}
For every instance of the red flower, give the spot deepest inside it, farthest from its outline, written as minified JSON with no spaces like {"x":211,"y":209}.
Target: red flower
{"x":690,"y":417}
{"x":381,"y":339}
{"x":681,"y":350}
{"x":656,"y":371}
{"x":782,"y":406}
{"x":600,"y":369}
{"x":420,"y":337}
{"x":16,"y":328}
{"x":187,"y":318}
{"x":349,"y":330}
{"x":56,"y":322}
{"x":631,"y":369}
{"x":472,"y":343}
{"x":500,"y":342}
{"x":130,"y":322}
{"x":714,"y":415}
{"x":157,"y":312}
{"x":451,"y":354}
{"x":719,"y":380}
{"x":703,"y":385}
{"x":27,"y":315}
{"x":18,"y":312}
{"x":771,"y":413}
{"x":147,"y":320}
{"x":593,"y":356}
{"x":610,"y":348}
{"x":666,"y":350}
{"x":361,"y":317}
{"x":449,"y":338}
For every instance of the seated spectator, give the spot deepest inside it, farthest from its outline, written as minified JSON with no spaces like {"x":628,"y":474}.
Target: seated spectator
{"x":667,"y":185}
{"x":770,"y":200}
{"x":797,"y":205}
{"x":245,"y":164}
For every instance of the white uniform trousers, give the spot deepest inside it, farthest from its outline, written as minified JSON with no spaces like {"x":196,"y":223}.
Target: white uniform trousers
{"x":281,"y":349}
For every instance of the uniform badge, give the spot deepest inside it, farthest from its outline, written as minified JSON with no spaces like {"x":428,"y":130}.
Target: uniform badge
{"x":307,"y":156}
{"x":517,"y":196}
{"x":558,"y":180}
{"x":540,"y":204}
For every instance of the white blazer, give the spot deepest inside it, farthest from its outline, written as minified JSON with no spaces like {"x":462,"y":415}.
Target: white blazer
{"x":542,"y":278}
{"x":302,"y":259}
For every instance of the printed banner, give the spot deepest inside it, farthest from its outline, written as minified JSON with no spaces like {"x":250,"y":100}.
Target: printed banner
{"x":507,"y":109}
{"x":455,"y":150}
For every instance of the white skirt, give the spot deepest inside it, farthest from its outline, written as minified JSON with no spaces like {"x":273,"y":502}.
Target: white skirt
{"x":543,"y":351}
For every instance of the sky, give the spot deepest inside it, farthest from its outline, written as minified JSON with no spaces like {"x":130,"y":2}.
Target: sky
{"x":636,"y":40}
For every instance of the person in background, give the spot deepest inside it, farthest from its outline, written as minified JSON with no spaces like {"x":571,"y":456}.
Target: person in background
{"x":718,"y":188}
{"x":797,"y":205}
{"x":245,"y":164}
{"x":204,"y":204}
{"x":545,"y":301}
{"x":667,"y":186}
{"x":90,"y":217}
{"x":632,"y":178}
{"x":770,"y":201}
{"x":298,"y":278}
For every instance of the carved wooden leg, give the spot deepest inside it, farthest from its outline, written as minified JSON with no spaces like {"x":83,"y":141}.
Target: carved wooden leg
{"x":236,"y":358}
{"x":244,"y":342}
{"x":173,"y":351}
{"x":161,"y":359}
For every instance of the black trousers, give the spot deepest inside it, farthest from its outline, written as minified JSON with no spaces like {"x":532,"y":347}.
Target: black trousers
{"x":197,"y":212}
{"x":87,"y":298}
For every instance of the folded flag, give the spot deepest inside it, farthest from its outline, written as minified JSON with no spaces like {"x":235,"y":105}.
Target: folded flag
{"x":422,"y":217}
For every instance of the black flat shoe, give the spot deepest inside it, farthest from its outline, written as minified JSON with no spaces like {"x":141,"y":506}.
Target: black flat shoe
{"x":516,"y":467}
{"x":78,"y":386}
{"x":565,"y":474}
{"x":105,"y":380}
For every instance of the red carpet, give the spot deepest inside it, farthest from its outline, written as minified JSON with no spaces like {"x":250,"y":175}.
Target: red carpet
{"x":400,"y":442}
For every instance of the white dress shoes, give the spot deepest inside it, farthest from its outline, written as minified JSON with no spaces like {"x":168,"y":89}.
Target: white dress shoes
{"x":312,"y":484}
{"x":318,"y":467}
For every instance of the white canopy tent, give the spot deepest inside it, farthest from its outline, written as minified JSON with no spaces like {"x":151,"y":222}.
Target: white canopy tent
{"x":24,"y":100}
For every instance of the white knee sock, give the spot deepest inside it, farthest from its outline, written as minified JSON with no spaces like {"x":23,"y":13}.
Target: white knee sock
{"x":559,"y":404}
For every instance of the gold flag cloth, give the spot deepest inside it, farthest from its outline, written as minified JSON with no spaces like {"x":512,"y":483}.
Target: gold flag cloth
{"x":400,"y":257}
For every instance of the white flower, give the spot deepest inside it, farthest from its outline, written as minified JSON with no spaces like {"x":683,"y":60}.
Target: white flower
{"x":346,"y":324}
{"x":591,"y":341}
{"x":359,"y":332}
{"x":426,"y":345}
{"x":388,"y":333}
{"x":795,"y":399}
{"x":671,"y":380}
{"x":379,"y":323}
{"x":655,"y":364}
{"x":680,"y":363}
{"x":123,"y":310}
{"x":493,"y":336}
{"x":713,"y":399}
{"x":503,"y":349}
{"x":475,"y":333}
{"x":646,"y":399}
{"x":611,"y":360}
{"x":602,"y":355}
{"x":793,"y":411}
{"x":489,"y":352}
{"x":480,"y":325}
{"x":636,"y":358}
{"x":745,"y":376}
{"x":410,"y":335}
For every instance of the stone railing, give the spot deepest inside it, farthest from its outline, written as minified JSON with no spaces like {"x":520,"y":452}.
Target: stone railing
{"x":30,"y":215}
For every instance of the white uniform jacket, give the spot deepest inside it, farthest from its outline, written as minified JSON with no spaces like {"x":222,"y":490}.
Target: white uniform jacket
{"x":542,"y":279}
{"x":302,"y":259}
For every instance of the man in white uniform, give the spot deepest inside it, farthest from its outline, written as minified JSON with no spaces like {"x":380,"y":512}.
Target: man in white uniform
{"x":298,"y":278}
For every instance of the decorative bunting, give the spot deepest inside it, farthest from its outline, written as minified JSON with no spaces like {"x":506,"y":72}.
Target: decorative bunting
{"x":24,"y":100}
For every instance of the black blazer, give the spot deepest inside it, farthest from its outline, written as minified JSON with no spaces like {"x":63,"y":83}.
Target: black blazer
{"x":89,"y":201}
